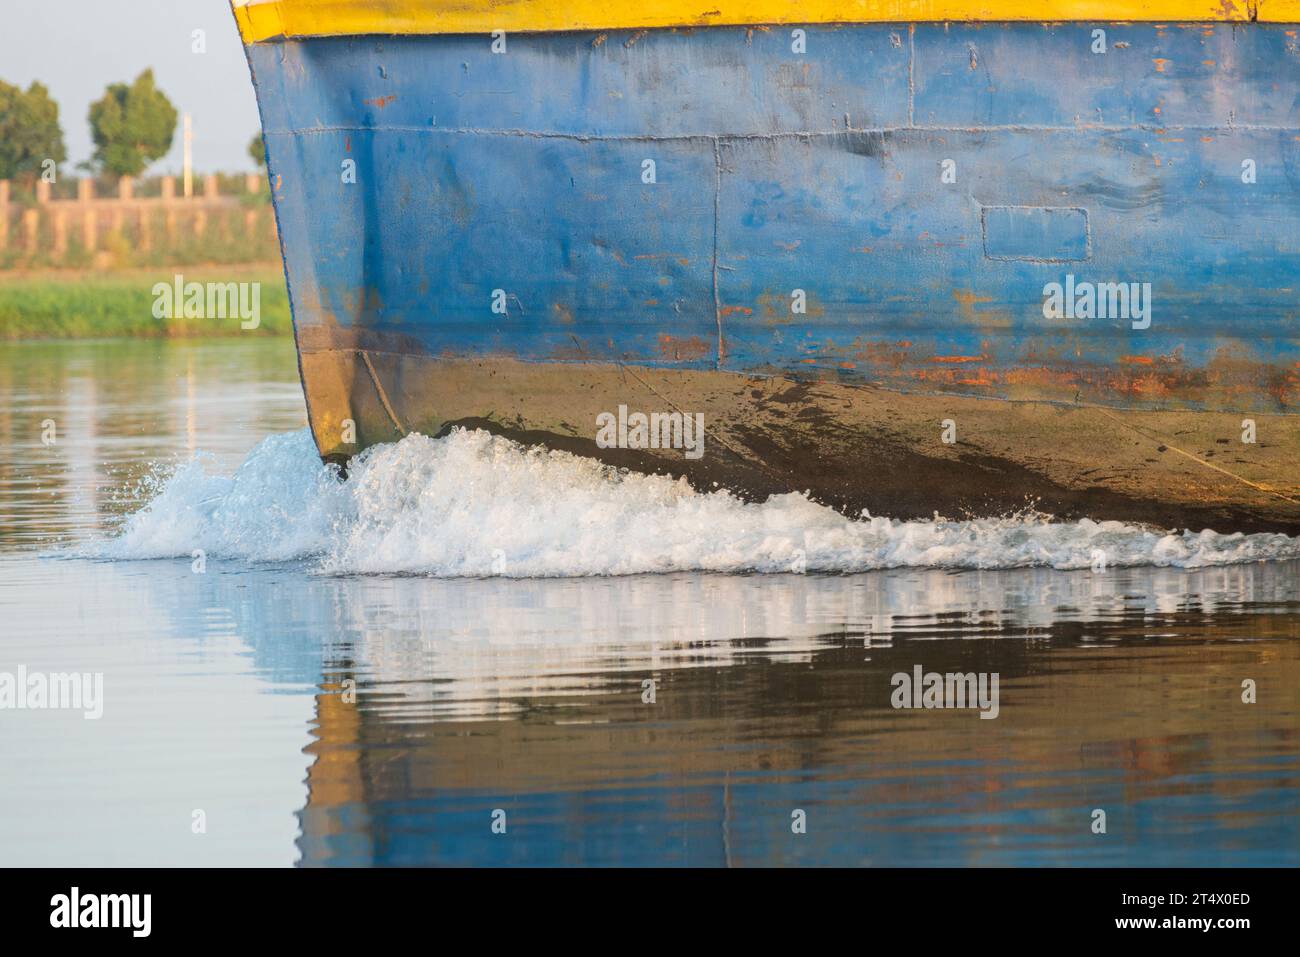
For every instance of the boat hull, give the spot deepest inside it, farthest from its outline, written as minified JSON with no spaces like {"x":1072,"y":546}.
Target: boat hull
{"x":842,"y":258}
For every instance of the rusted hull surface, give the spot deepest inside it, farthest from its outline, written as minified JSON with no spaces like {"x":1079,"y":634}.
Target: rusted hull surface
{"x":853,"y":447}
{"x":834,"y":251}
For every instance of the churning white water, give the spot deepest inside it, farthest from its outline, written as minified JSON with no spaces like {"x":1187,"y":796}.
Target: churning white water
{"x":473,"y":504}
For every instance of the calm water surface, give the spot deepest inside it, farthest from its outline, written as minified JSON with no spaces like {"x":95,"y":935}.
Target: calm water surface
{"x":318,"y":719}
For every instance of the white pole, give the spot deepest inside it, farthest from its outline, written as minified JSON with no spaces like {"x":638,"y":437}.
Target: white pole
{"x":188,"y":188}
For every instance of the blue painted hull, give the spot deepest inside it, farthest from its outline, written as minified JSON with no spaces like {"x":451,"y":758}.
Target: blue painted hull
{"x":916,"y":189}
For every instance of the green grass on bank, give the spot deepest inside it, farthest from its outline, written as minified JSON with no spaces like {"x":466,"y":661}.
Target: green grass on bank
{"x":89,"y":305}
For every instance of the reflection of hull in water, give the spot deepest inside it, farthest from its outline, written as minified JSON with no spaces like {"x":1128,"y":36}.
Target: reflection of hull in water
{"x":457,"y":715}
{"x":500,"y":259}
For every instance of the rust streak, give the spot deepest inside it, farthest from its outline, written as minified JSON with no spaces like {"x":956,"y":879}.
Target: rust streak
{"x":694,"y":347}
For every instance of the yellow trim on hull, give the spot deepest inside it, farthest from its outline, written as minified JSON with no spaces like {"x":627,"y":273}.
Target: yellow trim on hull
{"x":264,"y":19}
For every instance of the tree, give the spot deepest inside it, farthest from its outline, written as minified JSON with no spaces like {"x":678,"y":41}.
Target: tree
{"x":257,"y":149}
{"x":29,"y":131}
{"x":132,"y":126}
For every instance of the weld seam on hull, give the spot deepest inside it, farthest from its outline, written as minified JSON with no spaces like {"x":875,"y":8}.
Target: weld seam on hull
{"x":707,"y":431}
{"x":1197,"y":459}
{"x":717,"y":215}
{"x":379,"y":388}
{"x":800,"y":134}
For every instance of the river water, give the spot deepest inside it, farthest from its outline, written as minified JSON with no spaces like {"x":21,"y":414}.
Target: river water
{"x":472,"y":654}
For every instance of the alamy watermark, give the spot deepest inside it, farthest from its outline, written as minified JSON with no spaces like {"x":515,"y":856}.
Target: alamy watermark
{"x":656,"y":430}
{"x":22,"y":690}
{"x":1101,"y":300}
{"x":213,"y":300}
{"x":933,"y":690}
{"x":76,"y":909}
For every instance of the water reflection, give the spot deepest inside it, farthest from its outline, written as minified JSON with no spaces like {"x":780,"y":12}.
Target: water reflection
{"x":382,"y":720}
{"x":117,"y":409}
{"x":771,"y":694}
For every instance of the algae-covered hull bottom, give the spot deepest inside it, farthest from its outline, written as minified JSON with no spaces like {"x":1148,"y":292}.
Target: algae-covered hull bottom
{"x":908,"y":268}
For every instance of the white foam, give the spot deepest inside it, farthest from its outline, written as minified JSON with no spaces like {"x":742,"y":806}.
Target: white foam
{"x":473,"y":504}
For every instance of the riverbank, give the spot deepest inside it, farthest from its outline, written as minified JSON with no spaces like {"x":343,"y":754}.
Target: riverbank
{"x":86,"y":304}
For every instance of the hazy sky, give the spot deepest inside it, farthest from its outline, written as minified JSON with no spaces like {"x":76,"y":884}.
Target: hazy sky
{"x":77,"y":47}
